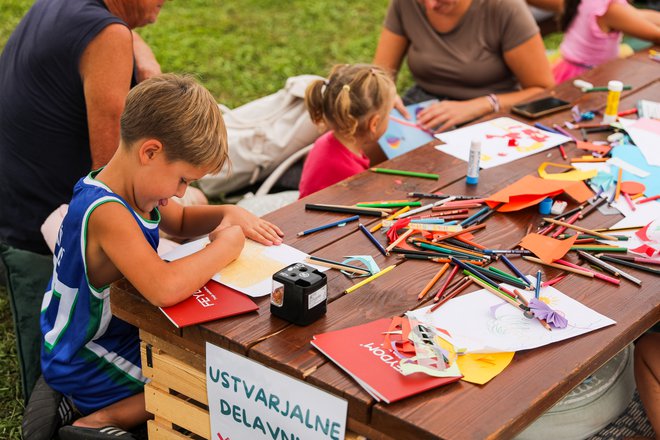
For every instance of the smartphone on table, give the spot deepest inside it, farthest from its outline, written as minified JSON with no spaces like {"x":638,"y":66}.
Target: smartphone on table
{"x":540,"y":107}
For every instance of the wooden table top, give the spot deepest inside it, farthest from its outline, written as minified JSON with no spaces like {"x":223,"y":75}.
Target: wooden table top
{"x":534,"y":381}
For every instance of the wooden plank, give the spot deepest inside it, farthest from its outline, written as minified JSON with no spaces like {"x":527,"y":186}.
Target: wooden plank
{"x":177,"y":411}
{"x":158,"y":431}
{"x":176,"y":375}
{"x":178,"y":348}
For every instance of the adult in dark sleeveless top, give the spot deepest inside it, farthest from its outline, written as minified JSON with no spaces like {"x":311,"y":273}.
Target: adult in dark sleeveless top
{"x":64,"y":75}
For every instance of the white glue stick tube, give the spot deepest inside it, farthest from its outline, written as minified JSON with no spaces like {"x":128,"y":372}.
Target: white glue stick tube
{"x":473,"y":163}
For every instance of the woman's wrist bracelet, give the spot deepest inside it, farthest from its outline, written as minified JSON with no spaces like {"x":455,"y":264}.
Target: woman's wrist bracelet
{"x":494,"y":102}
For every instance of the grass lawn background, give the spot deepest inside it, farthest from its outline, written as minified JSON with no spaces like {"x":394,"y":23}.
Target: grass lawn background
{"x":240,"y":50}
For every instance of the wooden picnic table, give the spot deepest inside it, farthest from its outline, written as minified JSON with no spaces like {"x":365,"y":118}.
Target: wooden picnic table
{"x":533,"y":382}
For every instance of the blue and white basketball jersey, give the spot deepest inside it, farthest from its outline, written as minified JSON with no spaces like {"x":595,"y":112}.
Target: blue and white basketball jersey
{"x":88,"y":354}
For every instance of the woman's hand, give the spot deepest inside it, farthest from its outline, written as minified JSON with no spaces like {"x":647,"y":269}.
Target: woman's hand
{"x":446,"y":114}
{"x":253,"y":227}
{"x":398,"y":105}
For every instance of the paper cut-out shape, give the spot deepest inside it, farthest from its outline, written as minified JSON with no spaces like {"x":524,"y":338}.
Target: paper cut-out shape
{"x":480,"y":368}
{"x":572,"y":176}
{"x":548,"y":249}
{"x":543,"y":311}
{"x":530,"y":190}
{"x":601,"y":149}
{"x":632,"y":188}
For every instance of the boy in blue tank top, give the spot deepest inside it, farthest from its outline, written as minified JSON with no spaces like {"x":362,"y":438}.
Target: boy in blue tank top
{"x":172,"y":133}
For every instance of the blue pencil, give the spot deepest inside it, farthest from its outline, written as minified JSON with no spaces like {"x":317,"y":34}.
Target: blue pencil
{"x":376,"y":243}
{"x":515,"y":270}
{"x":537,"y":292}
{"x":546,"y":128}
{"x":468,"y":221}
{"x":428,"y":221}
{"x":329,"y":225}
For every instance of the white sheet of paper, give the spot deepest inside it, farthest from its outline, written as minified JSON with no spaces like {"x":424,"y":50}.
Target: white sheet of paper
{"x":472,"y":323}
{"x":252,"y":272}
{"x":642,"y":216}
{"x":645,"y":133}
{"x":494,"y":136}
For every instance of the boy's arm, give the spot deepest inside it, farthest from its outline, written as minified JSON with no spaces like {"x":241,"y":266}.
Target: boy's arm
{"x":115,"y":239}
{"x":193,"y":221}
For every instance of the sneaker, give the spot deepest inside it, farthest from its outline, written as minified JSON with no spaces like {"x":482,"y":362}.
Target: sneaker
{"x":45,"y":412}
{"x":107,"y":432}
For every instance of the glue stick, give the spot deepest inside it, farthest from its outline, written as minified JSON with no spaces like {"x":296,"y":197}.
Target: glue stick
{"x":614,"y":88}
{"x":473,"y":163}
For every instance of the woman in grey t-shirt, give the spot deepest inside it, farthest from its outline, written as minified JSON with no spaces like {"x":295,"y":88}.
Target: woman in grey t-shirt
{"x":476,"y":56}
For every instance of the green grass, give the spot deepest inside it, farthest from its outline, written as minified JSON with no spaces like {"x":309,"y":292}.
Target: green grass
{"x":240,"y":50}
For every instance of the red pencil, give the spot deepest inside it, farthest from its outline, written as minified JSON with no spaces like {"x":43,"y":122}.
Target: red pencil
{"x":648,"y":199}
{"x":563,"y":153}
{"x":458,"y":288}
{"x":444,"y":286}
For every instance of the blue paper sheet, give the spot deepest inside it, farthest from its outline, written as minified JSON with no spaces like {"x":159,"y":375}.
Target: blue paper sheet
{"x":401,"y":138}
{"x":632,"y":155}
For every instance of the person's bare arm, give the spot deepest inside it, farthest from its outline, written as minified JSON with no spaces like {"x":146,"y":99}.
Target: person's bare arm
{"x":529,"y":65}
{"x":145,"y":61}
{"x":549,"y":5}
{"x":640,"y":24}
{"x":116,"y":246}
{"x":389,"y":55}
{"x":106,"y":68}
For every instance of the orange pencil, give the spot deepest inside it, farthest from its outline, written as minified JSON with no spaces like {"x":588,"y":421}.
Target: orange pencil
{"x":617,"y":192}
{"x":434,"y":280}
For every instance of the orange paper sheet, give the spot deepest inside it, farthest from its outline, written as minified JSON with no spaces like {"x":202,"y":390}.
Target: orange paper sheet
{"x":548,"y":249}
{"x":530,"y":190}
{"x":602,"y":149}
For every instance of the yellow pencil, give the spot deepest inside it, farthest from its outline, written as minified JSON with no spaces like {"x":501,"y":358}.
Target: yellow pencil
{"x":391,"y":217}
{"x":617,"y":191}
{"x":434,"y":280}
{"x":399,"y":240}
{"x":369,"y":279}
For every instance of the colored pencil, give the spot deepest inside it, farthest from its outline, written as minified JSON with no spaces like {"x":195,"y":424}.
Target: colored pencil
{"x":602,"y":264}
{"x":523,"y":300}
{"x":579,"y":228}
{"x":369,"y":279}
{"x":604,"y":89}
{"x":629,"y":201}
{"x":468,"y":221}
{"x":545,"y":128}
{"x":451,"y":206}
{"x":458,"y":288}
{"x":599,"y":263}
{"x":390,"y":217}
{"x":465,"y":230}
{"x":439,"y":196}
{"x":399,"y":239}
{"x":441,"y":250}
{"x":442,"y":289}
{"x":604,"y":247}
{"x":482,"y":218}
{"x":425,"y":207}
{"x":648,"y":199}
{"x":599,"y":275}
{"x":468,"y":242}
{"x":631,"y":264}
{"x":432,"y":282}
{"x":507,"y":251}
{"x":337,"y":265}
{"x":373,"y":239}
{"x":499,"y":293}
{"x":388,"y":204}
{"x":569,"y":212}
{"x":477,"y":253}
{"x":635,"y":259}
{"x":627,"y":228}
{"x":617,"y":190}
{"x":514,"y":269}
{"x":553,"y":281}
{"x":537,"y":286}
{"x":405,"y":173}
{"x":561,"y":266}
{"x":474,"y":271}
{"x":436,"y":259}
{"x":570,"y":221}
{"x":329,"y":225}
{"x":344,"y":209}
{"x":564,"y":132}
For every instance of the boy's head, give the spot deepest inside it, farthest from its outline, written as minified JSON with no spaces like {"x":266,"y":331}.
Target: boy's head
{"x":181,"y":114}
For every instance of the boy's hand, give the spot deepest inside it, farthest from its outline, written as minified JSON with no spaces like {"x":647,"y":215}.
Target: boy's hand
{"x":231,"y":237}
{"x":253,"y":227}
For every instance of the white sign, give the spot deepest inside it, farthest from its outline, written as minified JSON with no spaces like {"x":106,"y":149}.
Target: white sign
{"x":250,"y":401}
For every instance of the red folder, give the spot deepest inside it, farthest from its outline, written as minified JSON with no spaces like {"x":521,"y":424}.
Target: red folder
{"x":213,"y":301}
{"x":359,"y":351}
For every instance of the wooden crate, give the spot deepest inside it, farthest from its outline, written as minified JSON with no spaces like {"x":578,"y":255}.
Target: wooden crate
{"x":176,"y":395}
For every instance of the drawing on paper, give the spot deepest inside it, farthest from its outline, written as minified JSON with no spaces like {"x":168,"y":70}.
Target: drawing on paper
{"x":251,"y":267}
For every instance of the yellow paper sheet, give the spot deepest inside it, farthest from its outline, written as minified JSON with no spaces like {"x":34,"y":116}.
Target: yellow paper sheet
{"x":479,"y":368}
{"x":571,"y":176}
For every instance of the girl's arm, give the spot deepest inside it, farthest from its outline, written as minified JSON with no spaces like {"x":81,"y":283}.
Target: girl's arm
{"x":642,"y":24}
{"x":529,"y":65}
{"x":389,"y":55}
{"x":116,"y":247}
{"x":193,"y":221}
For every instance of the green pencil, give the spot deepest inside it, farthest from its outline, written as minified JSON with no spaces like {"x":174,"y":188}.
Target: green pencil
{"x":605,"y":89}
{"x":405,"y":173}
{"x":388,"y":205}
{"x":506,"y":275}
{"x":598,"y":248}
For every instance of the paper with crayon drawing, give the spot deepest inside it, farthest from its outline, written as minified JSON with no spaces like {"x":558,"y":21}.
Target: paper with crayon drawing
{"x":483,"y":323}
{"x":503,"y":140}
{"x":252,"y":272}
{"x":403,"y":135}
